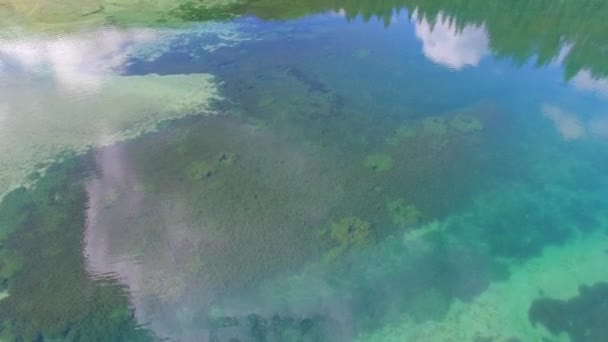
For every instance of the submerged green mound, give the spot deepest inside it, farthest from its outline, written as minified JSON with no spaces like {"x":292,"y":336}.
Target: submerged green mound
{"x":582,"y":317}
{"x":465,"y":123}
{"x":379,"y":162}
{"x":351,"y":232}
{"x":403,"y":214}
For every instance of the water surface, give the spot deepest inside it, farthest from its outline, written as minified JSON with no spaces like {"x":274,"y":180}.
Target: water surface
{"x":321,"y":171}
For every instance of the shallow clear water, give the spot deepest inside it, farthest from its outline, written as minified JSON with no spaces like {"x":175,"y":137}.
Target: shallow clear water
{"x":268,"y":171}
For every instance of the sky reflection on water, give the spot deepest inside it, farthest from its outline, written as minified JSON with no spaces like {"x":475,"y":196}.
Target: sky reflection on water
{"x":320,"y":178}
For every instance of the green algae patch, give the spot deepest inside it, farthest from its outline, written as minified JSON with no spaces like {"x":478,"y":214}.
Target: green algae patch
{"x":379,"y":162}
{"x":351,"y":232}
{"x":435,"y":125}
{"x":348,"y":234}
{"x":227,"y":158}
{"x":465,"y":123}
{"x":403,"y":214}
{"x":200,"y":170}
{"x":403,"y":132}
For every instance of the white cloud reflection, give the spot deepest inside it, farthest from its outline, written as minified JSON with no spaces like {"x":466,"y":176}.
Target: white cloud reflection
{"x":77,"y":62}
{"x":585,"y":81}
{"x":445,"y":44}
{"x":66,"y":93}
{"x":567,"y":124}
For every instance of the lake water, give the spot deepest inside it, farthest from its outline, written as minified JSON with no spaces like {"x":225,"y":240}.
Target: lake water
{"x":266,"y":170}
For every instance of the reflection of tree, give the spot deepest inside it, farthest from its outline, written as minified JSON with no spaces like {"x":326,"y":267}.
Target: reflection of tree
{"x":518,"y":29}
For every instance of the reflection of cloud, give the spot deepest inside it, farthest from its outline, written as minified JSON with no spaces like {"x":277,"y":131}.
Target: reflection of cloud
{"x":567,"y":124}
{"x":188,"y":249}
{"x":585,"y":81}
{"x":77,"y":61}
{"x":41,"y":122}
{"x":599,"y":127}
{"x":445,"y":44}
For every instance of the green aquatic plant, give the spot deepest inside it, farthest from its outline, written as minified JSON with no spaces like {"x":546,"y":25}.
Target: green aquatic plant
{"x":179,"y":141}
{"x":403,"y":214}
{"x":435,"y":125}
{"x":45,"y":247}
{"x":200,"y":170}
{"x":227,"y":159}
{"x":403,"y":132}
{"x":465,"y":123}
{"x":347,"y":234}
{"x":351,"y":232}
{"x":379,"y":162}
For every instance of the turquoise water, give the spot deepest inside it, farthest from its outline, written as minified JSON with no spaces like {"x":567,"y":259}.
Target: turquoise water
{"x":268,"y":171}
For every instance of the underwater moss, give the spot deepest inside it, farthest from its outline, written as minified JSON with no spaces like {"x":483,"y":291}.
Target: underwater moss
{"x":406,"y":131}
{"x":403,"y":214}
{"x":179,"y":141}
{"x":200,"y":170}
{"x":227,"y":159}
{"x":465,"y":123}
{"x":435,"y":125}
{"x":351,"y":232}
{"x":379,"y":162}
{"x":45,"y":247}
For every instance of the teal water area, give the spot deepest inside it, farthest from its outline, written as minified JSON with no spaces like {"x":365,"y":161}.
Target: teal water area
{"x":320,"y":172}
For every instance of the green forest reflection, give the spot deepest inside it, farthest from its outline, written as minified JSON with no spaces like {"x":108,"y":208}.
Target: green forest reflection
{"x":572,"y":32}
{"x":544,"y":31}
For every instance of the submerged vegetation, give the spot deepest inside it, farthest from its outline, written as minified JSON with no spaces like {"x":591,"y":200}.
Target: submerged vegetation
{"x":403,"y":214}
{"x":439,"y":215}
{"x":581,"y":317}
{"x":46,"y":248}
{"x":379,"y":162}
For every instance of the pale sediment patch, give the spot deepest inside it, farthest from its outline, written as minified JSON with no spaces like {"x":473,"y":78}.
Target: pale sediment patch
{"x":40,"y":122}
{"x":501,"y":312}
